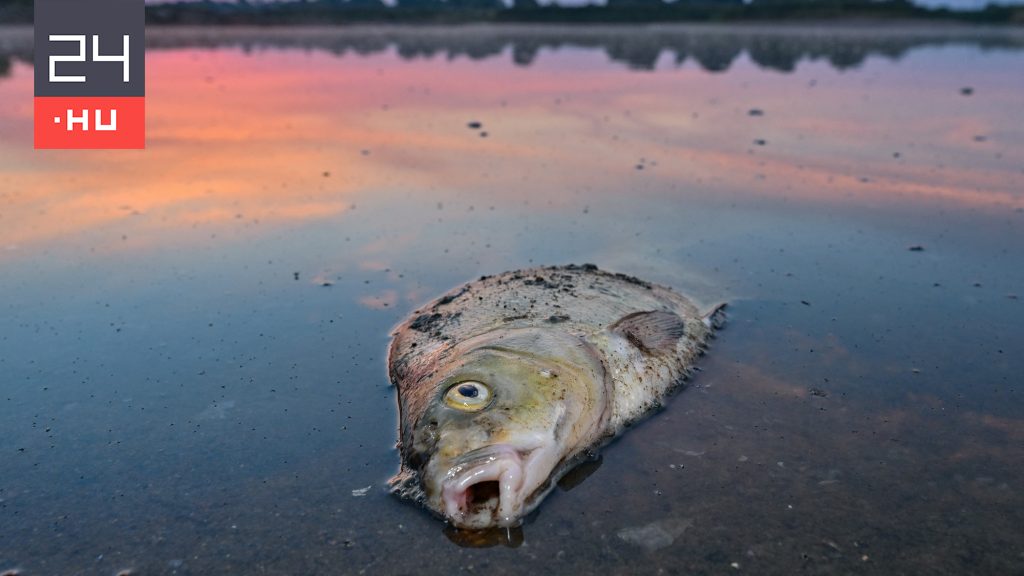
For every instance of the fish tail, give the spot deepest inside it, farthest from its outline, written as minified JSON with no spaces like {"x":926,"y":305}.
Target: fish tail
{"x":715,"y":317}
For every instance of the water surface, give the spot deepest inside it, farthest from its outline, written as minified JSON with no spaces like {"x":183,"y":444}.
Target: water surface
{"x":192,"y":341}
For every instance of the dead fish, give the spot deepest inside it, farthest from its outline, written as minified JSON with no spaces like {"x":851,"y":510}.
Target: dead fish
{"x":506,"y":383}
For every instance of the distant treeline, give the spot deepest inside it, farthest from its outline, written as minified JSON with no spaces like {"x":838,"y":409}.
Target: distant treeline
{"x":615,"y":11}
{"x":460,"y":11}
{"x":713,"y":48}
{"x":15,"y":10}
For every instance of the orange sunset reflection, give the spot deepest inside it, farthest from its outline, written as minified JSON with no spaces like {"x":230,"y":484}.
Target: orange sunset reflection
{"x":289,"y":135}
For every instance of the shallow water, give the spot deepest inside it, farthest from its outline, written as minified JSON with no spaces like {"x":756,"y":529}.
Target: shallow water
{"x":192,"y":338}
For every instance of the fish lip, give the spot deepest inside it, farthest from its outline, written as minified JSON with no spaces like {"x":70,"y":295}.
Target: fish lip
{"x":487,"y":453}
{"x":500,"y":463}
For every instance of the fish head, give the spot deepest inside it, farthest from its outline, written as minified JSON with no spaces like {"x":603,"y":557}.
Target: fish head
{"x":502,"y":418}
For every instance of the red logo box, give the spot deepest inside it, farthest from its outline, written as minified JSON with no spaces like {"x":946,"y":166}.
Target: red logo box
{"x":90,"y":122}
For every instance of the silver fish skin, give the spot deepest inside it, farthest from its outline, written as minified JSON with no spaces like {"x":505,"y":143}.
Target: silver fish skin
{"x":507,"y":382}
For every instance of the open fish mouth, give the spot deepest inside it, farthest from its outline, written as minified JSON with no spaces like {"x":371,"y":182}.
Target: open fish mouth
{"x":485,"y":487}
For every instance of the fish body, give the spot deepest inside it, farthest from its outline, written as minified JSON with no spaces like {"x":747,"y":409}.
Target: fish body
{"x":507,"y":382}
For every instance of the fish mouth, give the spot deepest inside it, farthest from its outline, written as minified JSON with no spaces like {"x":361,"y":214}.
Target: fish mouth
{"x":484,"y":488}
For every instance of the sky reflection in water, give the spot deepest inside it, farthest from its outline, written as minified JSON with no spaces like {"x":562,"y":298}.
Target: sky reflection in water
{"x":193,"y":335}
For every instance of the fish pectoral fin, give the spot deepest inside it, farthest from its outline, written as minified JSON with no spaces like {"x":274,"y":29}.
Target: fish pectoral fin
{"x":406,"y":484}
{"x":653,"y":331}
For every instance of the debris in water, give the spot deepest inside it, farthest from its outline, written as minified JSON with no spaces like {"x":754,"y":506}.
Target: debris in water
{"x":760,"y":141}
{"x":755,"y":112}
{"x":656,"y":535}
{"x":216,"y":410}
{"x":474,"y":125}
{"x":916,"y":248}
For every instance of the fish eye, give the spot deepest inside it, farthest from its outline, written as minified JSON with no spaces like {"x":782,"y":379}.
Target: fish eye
{"x":468,"y":396}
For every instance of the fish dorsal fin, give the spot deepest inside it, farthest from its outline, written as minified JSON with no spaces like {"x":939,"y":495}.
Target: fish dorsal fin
{"x":653,"y":331}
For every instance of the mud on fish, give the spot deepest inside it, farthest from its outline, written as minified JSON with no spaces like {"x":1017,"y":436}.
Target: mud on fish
{"x":505,"y":383}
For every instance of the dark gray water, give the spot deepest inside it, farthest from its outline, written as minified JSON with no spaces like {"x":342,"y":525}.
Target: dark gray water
{"x":192,"y":338}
